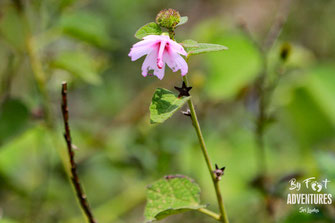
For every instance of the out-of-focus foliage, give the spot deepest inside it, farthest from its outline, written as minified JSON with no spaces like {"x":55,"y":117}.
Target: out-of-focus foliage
{"x":86,"y":43}
{"x":13,"y":117}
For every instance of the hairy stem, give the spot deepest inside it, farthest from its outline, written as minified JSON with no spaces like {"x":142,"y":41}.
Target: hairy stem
{"x":210,"y":213}
{"x":74,"y":176}
{"x":223,"y":217}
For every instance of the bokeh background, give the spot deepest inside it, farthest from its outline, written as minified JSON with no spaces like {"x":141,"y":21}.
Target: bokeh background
{"x":86,"y":43}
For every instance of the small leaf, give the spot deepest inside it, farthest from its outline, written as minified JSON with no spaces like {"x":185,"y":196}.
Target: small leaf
{"x":78,"y":64}
{"x":183,"y":20}
{"x":171,"y":195}
{"x":148,"y":29}
{"x":14,"y":116}
{"x":164,"y":104}
{"x":193,"y":47}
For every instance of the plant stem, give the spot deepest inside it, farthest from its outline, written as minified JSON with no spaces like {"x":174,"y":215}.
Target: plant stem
{"x":41,"y":80}
{"x":37,"y":68}
{"x":223,"y":217}
{"x":260,"y":123}
{"x":74,"y":176}
{"x":209,"y":213}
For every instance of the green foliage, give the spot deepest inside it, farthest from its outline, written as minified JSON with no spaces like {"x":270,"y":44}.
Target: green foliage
{"x":7,"y":221}
{"x":164,"y":104}
{"x":321,"y":85}
{"x":12,"y":28}
{"x":171,"y":195}
{"x":87,"y":27}
{"x":14,"y":116}
{"x":193,"y":47}
{"x":120,"y":152}
{"x":148,"y":29}
{"x":79,"y":64}
{"x":314,"y":95}
{"x":182,"y":21}
{"x":232,"y":70}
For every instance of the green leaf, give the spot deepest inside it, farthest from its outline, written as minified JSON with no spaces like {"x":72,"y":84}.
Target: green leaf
{"x":321,"y":85}
{"x":308,"y":105}
{"x":12,"y":27}
{"x":148,"y":29}
{"x":87,"y":27}
{"x":14,"y":116}
{"x":193,"y":47}
{"x":171,"y":195}
{"x":164,"y":104}
{"x":183,"y":20}
{"x":230,"y":72}
{"x":79,"y":64}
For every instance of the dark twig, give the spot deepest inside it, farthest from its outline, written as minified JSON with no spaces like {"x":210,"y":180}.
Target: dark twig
{"x":74,"y":176}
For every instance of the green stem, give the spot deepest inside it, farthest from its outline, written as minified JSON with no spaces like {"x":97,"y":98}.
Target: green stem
{"x":37,"y":68}
{"x":260,"y":123}
{"x":223,"y":217}
{"x":40,"y":78}
{"x":209,"y":213}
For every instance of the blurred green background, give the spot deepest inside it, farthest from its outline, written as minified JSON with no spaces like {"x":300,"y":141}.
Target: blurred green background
{"x":86,"y":43}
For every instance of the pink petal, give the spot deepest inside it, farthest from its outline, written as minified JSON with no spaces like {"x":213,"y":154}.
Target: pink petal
{"x":175,"y":62}
{"x":145,"y":42}
{"x":156,"y":37}
{"x":161,"y":50}
{"x":141,"y":48}
{"x":149,"y":62}
{"x":176,"y":47}
{"x":159,"y":72}
{"x":137,"y":52}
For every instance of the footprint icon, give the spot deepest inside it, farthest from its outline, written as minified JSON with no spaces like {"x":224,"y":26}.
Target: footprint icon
{"x":316,"y":186}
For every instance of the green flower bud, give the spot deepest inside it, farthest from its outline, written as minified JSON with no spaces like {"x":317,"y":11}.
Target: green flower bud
{"x":168,"y":18}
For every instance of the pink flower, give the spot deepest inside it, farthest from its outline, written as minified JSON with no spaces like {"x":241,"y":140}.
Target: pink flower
{"x":160,"y":49}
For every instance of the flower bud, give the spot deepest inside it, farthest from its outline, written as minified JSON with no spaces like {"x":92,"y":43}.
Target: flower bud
{"x":285,"y":51}
{"x":168,"y":18}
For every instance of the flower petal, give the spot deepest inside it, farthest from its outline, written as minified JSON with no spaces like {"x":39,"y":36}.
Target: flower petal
{"x":141,"y":48}
{"x":175,"y":62}
{"x":150,"y":62}
{"x":159,"y":72}
{"x":161,"y":50}
{"x":176,"y":47}
{"x":137,"y":52}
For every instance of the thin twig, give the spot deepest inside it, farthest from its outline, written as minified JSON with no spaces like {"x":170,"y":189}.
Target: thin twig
{"x":74,"y":176}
